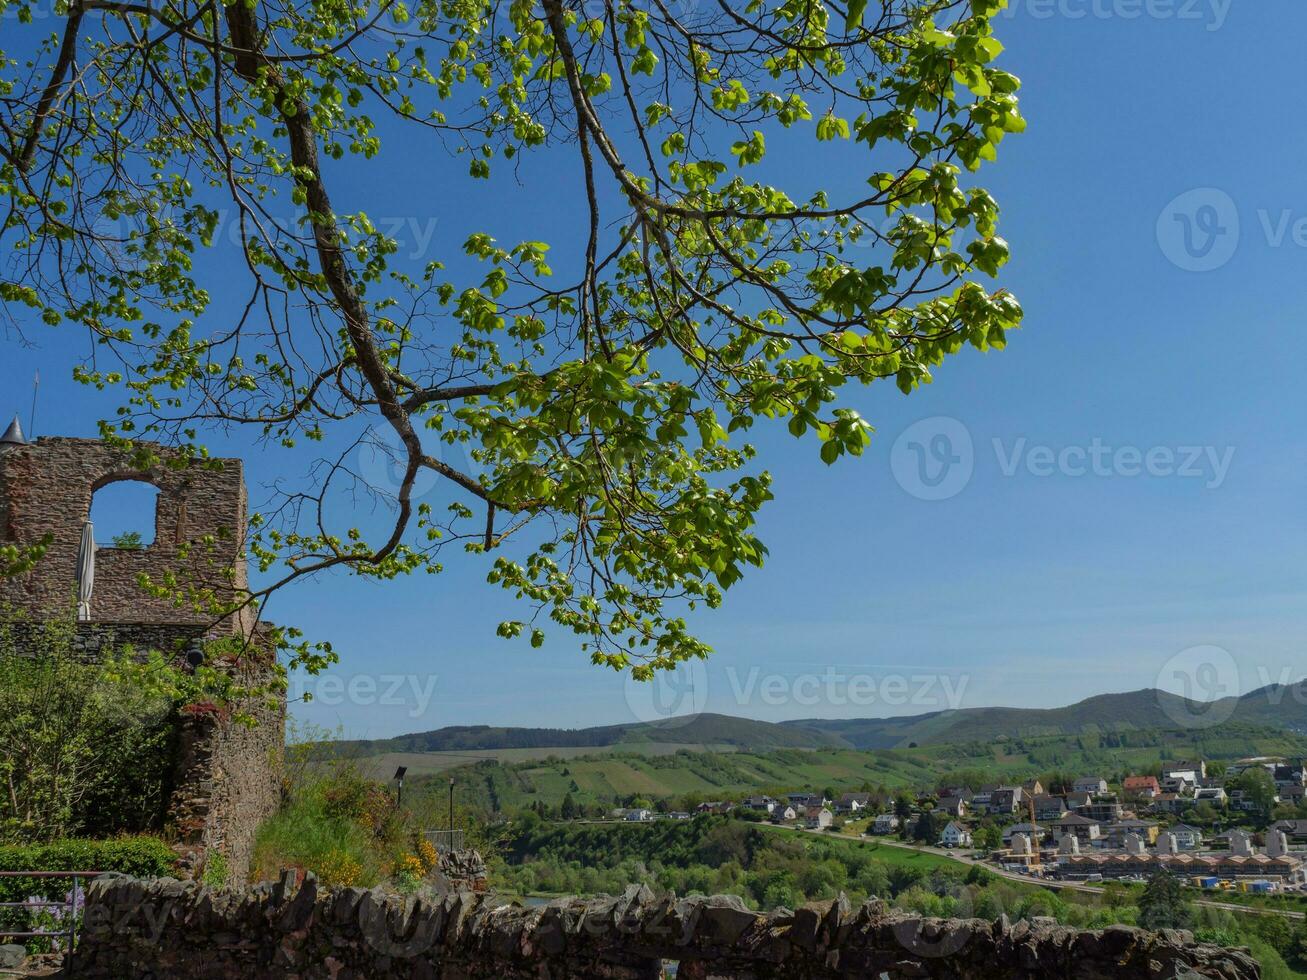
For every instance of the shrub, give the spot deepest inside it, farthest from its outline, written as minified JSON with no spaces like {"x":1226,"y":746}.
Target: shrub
{"x":340,"y":825}
{"x":84,"y":747}
{"x":141,"y":857}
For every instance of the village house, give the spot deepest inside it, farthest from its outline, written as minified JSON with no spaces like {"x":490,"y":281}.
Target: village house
{"x":1214,"y":795}
{"x":1023,"y":830}
{"x":1049,"y":807}
{"x":1187,"y":838}
{"x":818,"y":818}
{"x":1090,"y":784}
{"x":1179,"y":785}
{"x":1295,"y":830}
{"x":1105,"y":808}
{"x":800,"y":801}
{"x":1074,"y":800}
{"x":1194,"y":772}
{"x":955,"y":835}
{"x":954,"y":806}
{"x":1243,"y":765}
{"x":1114,"y":834}
{"x":1289,"y":775}
{"x":1145,"y":786}
{"x":1088,"y":831}
{"x":1032,"y":787}
{"x":1292,"y":794}
{"x":1005,"y":799}
{"x":1170,"y":803}
{"x":1284,"y":868}
{"x":1240,"y":800}
{"x":760,"y":804}
{"x":885,"y":823}
{"x":852,"y":803}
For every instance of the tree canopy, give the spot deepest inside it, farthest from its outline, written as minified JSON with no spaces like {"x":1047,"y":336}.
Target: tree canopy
{"x":711,"y":283}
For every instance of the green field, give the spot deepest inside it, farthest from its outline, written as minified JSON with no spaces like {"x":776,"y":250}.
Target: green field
{"x":901,"y":857}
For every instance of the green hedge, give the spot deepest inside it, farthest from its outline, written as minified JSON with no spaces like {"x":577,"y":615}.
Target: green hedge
{"x":142,"y":857}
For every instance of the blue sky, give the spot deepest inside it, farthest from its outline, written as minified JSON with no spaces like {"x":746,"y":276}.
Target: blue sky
{"x":1038,"y":579}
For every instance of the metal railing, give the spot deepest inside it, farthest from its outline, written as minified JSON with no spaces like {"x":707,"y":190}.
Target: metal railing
{"x":71,"y":907}
{"x":445,"y":841}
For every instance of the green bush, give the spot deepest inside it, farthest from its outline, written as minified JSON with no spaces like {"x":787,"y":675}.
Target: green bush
{"x":84,"y":745}
{"x":141,"y":857}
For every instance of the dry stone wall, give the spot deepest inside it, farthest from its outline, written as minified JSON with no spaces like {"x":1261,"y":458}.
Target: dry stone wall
{"x":152,"y":930}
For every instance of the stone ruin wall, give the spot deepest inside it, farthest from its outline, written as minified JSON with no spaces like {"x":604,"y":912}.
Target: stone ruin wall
{"x":46,"y":489}
{"x":159,"y":929}
{"x":226,"y":776}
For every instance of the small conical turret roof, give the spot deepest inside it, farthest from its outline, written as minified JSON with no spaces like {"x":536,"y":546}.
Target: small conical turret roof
{"x":13,"y":435}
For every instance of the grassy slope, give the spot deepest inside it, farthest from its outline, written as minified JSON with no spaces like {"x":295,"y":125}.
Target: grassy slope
{"x":508,"y":785}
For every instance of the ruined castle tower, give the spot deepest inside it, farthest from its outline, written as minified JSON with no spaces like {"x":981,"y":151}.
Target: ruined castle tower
{"x":226,"y":777}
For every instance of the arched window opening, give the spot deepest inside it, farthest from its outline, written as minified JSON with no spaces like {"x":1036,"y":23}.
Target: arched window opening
{"x":123,"y":514}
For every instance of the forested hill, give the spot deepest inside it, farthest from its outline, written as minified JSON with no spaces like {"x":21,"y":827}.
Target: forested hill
{"x":704,"y":729}
{"x":1277,"y":706}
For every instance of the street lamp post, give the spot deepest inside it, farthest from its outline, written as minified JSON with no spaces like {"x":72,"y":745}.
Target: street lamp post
{"x":399,"y":791}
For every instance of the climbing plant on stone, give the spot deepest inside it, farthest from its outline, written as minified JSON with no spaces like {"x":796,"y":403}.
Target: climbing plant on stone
{"x":601,"y":390}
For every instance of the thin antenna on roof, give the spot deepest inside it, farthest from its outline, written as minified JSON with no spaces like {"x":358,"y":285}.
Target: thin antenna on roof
{"x":36,"y":385}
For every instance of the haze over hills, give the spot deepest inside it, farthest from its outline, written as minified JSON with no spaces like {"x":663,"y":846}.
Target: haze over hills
{"x":1275,"y":706}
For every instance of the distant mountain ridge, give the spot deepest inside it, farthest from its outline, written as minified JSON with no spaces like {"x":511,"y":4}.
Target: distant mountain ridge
{"x":1274,"y":706}
{"x":703,"y":729}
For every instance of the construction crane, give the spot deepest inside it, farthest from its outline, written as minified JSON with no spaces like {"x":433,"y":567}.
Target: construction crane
{"x":1036,"y":867}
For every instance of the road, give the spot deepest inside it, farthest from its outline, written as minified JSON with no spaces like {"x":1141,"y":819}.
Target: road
{"x":1055,"y":885}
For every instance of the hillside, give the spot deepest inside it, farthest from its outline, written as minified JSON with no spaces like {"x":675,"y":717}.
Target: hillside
{"x":1099,"y":714}
{"x":701,"y":730}
{"x":505,"y":785}
{"x":1277,"y":706}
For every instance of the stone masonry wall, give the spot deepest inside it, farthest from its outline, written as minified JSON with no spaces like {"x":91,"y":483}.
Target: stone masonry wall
{"x":46,"y":489}
{"x":90,"y":640}
{"x":226,"y":776}
{"x":227,"y":782}
{"x":152,"y":930}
